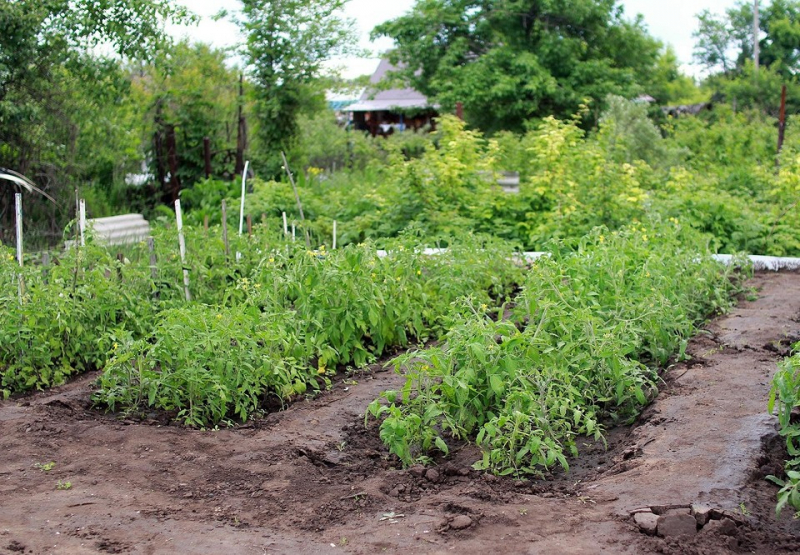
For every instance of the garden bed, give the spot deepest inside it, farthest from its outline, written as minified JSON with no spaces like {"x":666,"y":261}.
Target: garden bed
{"x":312,"y":479}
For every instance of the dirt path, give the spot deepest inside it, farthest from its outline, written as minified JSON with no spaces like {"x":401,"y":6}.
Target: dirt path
{"x":312,"y":480}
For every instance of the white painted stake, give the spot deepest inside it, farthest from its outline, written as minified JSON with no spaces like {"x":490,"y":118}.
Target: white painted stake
{"x":285,"y":227}
{"x":293,"y":230}
{"x":182,"y":244}
{"x":241,"y":206}
{"x":334,"y":235}
{"x":18,"y":210}
{"x":83,"y":222}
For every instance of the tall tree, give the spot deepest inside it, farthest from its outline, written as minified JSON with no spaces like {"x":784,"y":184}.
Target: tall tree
{"x":50,"y":81}
{"x":725,"y":41}
{"x":287,"y":43}
{"x":510,"y":61}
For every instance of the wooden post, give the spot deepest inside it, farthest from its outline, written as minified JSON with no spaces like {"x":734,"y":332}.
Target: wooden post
{"x":182,"y":245}
{"x":205,"y":223}
{"x":249,"y":226}
{"x":460,"y":110}
{"x":225,"y":228}
{"x":151,"y":246}
{"x":45,"y":265}
{"x":296,"y":196}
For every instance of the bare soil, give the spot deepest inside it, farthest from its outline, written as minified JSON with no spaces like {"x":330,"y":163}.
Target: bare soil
{"x":313,"y":479}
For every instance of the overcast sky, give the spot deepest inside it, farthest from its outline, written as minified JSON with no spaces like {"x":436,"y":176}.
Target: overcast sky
{"x":671,"y":21}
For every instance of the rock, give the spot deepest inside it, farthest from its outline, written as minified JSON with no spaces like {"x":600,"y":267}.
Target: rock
{"x":701,"y":514}
{"x":432,"y":475}
{"x":727,"y":527}
{"x":461,"y":522}
{"x":417,"y":470}
{"x":671,"y":525}
{"x":647,"y":522}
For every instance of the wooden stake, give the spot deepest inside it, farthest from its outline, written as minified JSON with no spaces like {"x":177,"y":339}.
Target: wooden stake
{"x":151,"y":246}
{"x":205,"y":223}
{"x":296,"y":197}
{"x":45,"y":265}
{"x":225,"y":228}
{"x":182,"y":245}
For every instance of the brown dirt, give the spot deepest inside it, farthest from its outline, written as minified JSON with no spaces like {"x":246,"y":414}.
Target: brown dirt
{"x":312,"y":479}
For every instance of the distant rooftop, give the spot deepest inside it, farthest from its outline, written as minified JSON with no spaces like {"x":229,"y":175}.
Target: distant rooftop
{"x":374,"y":101}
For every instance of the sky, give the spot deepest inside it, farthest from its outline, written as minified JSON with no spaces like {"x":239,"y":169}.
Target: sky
{"x":671,"y":21}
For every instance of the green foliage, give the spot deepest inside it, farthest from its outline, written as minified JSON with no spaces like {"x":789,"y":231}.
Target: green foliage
{"x":588,"y":329}
{"x":513,"y":62}
{"x":287,"y":41}
{"x":785,"y":397}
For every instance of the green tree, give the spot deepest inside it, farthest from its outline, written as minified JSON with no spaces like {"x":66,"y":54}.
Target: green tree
{"x":52,"y":88}
{"x":187,"y":93}
{"x":287,"y":43}
{"x":725,"y":41}
{"x":512,"y":61}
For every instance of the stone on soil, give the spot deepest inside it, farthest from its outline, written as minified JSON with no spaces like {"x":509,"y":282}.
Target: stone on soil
{"x":460,"y":522}
{"x":701,"y":513}
{"x":647,"y":522}
{"x":671,"y":525}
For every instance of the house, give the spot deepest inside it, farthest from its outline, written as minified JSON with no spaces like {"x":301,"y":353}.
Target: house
{"x":383,"y":112}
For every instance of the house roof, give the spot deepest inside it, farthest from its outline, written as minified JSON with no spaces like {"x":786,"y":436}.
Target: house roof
{"x":377,"y":100}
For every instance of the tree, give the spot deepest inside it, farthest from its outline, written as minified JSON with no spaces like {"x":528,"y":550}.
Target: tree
{"x":188,"y":93}
{"x":513,"y":61}
{"x":725,"y":41}
{"x":287,"y":43}
{"x":52,"y":86}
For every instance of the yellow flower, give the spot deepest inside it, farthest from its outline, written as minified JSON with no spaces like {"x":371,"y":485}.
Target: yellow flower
{"x":219,"y":316}
{"x":272,"y":260}
{"x":644,"y":238}
{"x":419,"y":272}
{"x":115,"y":346}
{"x":483,"y":306}
{"x":601,"y":238}
{"x":258,"y":285}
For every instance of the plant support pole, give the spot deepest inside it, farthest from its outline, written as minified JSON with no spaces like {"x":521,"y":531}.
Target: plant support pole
{"x":241,"y":206}
{"x":83,"y":222}
{"x":18,"y":213}
{"x":285,"y":226}
{"x":182,"y":244}
{"x":296,"y":197}
{"x":225,"y":229}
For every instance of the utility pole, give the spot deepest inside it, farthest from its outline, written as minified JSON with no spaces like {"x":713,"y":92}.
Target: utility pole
{"x":755,"y":35}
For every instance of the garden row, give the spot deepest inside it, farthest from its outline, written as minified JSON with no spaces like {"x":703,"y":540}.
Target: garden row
{"x":276,"y":321}
{"x":580,"y":349}
{"x":785,"y":395}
